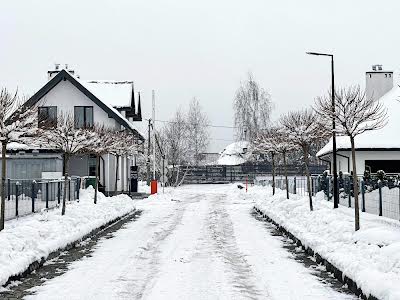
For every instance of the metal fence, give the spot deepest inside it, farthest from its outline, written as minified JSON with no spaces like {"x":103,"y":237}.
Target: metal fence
{"x":27,"y":196}
{"x":380,"y":199}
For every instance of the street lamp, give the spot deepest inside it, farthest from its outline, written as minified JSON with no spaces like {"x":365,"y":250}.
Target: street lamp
{"x":335,"y":181}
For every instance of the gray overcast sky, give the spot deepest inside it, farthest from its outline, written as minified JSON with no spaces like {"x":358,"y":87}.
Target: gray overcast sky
{"x":201,"y":48}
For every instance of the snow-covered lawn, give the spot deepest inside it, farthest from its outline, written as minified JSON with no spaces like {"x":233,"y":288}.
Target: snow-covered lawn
{"x":370,"y":257}
{"x":193,"y":242}
{"x":30,"y":238}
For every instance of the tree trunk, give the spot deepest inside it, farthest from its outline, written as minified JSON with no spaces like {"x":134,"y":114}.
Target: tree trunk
{"x":273,"y":173}
{"x":286,"y":179}
{"x":306,"y":162}
{"x":66,"y":164}
{"x":3,"y":184}
{"x":355,"y":186}
{"x":96,"y":180}
{"x":116,"y":174}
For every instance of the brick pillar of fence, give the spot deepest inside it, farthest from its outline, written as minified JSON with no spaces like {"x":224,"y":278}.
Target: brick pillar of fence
{"x":380,"y":198}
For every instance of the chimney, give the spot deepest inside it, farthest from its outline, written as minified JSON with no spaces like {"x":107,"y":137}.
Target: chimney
{"x":53,"y":72}
{"x":378,"y":82}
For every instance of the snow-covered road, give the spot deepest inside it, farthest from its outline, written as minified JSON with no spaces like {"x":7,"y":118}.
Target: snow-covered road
{"x":196,"y":242}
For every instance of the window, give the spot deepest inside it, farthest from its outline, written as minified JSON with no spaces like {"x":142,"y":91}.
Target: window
{"x":83,"y":116}
{"x":47,"y":116}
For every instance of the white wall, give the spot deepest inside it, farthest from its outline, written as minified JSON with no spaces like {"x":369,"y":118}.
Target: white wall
{"x":65,"y":96}
{"x":362,"y":156}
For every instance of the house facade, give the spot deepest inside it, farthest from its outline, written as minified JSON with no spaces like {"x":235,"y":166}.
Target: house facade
{"x":107,"y":103}
{"x":378,"y":149}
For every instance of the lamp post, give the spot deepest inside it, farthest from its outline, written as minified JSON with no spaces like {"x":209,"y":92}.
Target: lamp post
{"x":335,"y":181}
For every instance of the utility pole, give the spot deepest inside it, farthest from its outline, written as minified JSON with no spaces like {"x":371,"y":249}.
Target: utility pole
{"x":154,"y":135}
{"x":148,"y":154}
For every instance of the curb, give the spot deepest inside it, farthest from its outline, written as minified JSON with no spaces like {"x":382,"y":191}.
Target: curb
{"x":38,"y":263}
{"x":351,"y":284}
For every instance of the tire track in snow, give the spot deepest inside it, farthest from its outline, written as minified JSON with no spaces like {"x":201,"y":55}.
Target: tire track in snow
{"x":147,"y":261}
{"x":222,"y":236}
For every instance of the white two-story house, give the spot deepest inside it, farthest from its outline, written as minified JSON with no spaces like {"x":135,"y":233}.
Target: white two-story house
{"x":377,"y":149}
{"x":108,"y":103}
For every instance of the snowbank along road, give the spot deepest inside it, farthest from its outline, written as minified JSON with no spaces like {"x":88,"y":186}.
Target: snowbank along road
{"x":195,"y":242}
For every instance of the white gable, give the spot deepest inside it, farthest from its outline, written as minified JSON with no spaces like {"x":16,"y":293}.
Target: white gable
{"x":65,"y":96}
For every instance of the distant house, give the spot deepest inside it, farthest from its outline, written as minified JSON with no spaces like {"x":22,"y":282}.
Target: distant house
{"x":108,"y":103}
{"x":379,"y":149}
{"x":234,"y":154}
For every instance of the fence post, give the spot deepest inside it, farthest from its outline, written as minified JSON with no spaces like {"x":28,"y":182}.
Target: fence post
{"x":9,"y":188}
{"x":78,"y":183}
{"x":47,"y":194}
{"x":380,"y":198}
{"x":294,"y":186}
{"x":33,"y":195}
{"x":16,"y":198}
{"x":59,"y":192}
{"x":363,"y":195}
{"x":349,"y":189}
{"x":69,"y":189}
{"x":327,"y":187}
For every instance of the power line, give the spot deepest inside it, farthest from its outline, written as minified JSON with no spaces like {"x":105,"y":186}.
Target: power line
{"x":207,"y":125}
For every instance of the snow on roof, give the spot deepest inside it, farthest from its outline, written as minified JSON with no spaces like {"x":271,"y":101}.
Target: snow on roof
{"x":115,"y":93}
{"x":384,"y":138}
{"x":234,"y":154}
{"x":99,"y":93}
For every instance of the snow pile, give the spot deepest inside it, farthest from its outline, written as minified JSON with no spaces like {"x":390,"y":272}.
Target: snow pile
{"x":235,"y":154}
{"x":28,"y":239}
{"x":370,"y":257}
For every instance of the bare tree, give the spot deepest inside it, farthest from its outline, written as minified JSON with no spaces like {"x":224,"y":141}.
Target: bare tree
{"x":101,"y":142}
{"x":355,"y":114}
{"x":16,"y":120}
{"x":197,"y":131}
{"x":253,"y":106}
{"x":176,"y":144}
{"x":303,"y":128}
{"x":274,"y":141}
{"x":69,"y":140}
